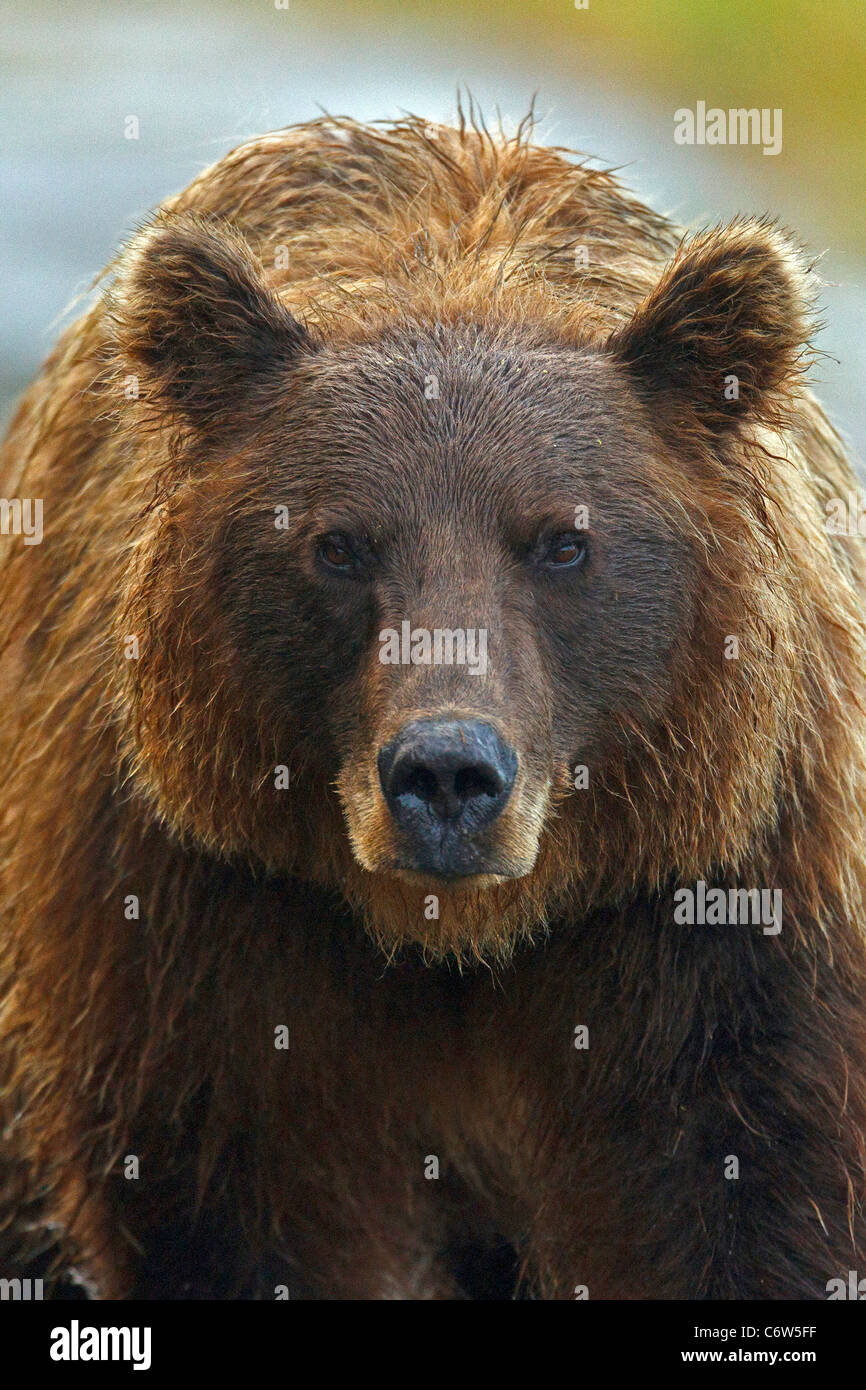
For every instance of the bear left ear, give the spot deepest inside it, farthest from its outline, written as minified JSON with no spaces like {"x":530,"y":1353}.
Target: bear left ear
{"x":725,"y":331}
{"x":194,"y":317}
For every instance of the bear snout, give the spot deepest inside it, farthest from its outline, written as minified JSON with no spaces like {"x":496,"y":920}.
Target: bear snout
{"x":445,"y":781}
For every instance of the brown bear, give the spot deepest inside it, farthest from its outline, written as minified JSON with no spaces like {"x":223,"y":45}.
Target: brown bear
{"x":433,"y":737}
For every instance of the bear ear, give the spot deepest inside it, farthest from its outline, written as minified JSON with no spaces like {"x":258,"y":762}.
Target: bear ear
{"x":723,"y":336}
{"x":196,"y":321}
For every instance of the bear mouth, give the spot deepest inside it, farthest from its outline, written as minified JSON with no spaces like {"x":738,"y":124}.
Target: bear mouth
{"x":454,"y":857}
{"x":477,"y":878}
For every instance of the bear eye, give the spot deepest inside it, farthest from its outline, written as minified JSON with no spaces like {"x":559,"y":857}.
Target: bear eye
{"x":337,"y":552}
{"x":566,"y":550}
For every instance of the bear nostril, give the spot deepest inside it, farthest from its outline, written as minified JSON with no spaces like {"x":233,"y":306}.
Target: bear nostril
{"x":416,"y":781}
{"x":446,"y":771}
{"x":475,"y":781}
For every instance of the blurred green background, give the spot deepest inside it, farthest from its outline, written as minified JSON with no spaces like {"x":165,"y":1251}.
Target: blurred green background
{"x":200,"y":77}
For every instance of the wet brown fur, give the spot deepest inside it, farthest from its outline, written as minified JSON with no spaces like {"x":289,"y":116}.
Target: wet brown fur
{"x":155,"y":1037}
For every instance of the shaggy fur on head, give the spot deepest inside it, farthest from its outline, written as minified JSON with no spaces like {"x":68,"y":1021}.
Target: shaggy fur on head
{"x":265,"y":344}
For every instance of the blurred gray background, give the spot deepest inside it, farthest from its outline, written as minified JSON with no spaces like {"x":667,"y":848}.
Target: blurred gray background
{"x":200,"y":78}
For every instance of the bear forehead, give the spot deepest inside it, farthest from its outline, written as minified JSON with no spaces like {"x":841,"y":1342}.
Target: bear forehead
{"x":535,"y":416}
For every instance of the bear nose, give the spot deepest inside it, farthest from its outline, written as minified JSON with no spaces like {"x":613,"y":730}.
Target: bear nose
{"x":441,"y":774}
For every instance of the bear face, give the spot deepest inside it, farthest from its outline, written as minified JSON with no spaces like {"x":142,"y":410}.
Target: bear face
{"x":455,"y":515}
{"x":336,"y":517}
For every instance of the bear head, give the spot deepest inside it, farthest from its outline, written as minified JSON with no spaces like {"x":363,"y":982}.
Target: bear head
{"x":478,"y":617}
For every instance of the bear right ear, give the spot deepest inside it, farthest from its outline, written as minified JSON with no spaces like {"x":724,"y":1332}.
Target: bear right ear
{"x":723,"y":337}
{"x":196,"y":321}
